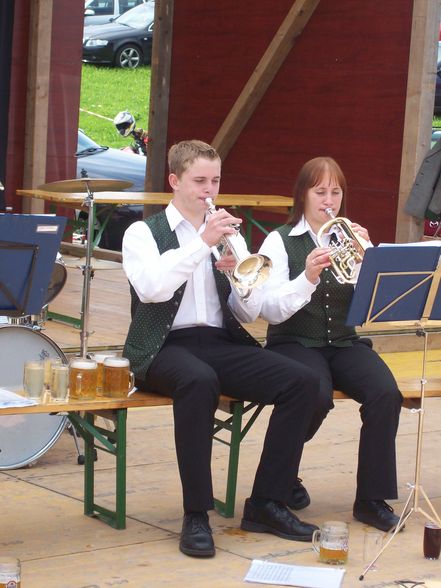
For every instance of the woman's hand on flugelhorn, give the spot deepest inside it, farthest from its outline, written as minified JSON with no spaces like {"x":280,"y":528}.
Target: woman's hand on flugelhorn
{"x":219,"y":223}
{"x":315,"y":263}
{"x":361,"y":231}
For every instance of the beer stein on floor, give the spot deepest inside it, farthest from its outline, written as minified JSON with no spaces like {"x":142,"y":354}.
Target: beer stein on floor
{"x":331,"y":542}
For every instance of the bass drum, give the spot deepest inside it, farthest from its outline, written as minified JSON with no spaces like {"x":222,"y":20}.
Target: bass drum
{"x":25,"y":437}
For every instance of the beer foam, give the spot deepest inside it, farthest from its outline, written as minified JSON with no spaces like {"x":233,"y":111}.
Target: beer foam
{"x":100,"y":357}
{"x":116,"y":361}
{"x":82,"y":364}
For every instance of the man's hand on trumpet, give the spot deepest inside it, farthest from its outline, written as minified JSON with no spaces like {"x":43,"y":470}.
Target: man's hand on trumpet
{"x":219,"y":223}
{"x":227,"y":262}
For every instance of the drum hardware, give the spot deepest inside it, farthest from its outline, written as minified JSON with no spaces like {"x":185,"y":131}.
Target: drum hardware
{"x":89,"y":186}
{"x":97,"y":264}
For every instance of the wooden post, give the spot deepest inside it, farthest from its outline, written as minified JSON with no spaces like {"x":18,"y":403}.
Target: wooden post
{"x":159,"y":97}
{"x":37,"y":100}
{"x":419,"y":110}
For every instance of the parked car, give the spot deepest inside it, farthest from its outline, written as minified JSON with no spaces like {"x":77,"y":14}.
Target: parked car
{"x":125,"y":42}
{"x":105,"y":162}
{"x":104,"y":11}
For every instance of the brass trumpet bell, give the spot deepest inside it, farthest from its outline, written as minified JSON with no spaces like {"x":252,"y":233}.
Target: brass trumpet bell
{"x":252,"y":271}
{"x":347,"y":248}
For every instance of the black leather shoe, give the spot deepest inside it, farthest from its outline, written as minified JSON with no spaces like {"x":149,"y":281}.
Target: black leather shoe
{"x":376,"y":513}
{"x":274,"y":517}
{"x":299,"y":496}
{"x":196,"y":539}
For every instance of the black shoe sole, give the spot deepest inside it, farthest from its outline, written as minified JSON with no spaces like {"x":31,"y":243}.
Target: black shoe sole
{"x":198,"y":552}
{"x":262,"y":528}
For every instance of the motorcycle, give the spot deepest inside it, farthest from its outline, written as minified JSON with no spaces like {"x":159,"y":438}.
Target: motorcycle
{"x":126,"y":126}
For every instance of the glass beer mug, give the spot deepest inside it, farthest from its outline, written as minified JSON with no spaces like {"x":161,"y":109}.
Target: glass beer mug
{"x":118,"y":380}
{"x":82,"y":378}
{"x":331,"y":542}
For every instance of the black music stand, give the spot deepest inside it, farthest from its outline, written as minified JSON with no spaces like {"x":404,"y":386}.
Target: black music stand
{"x":28,"y":249}
{"x":401,"y":285}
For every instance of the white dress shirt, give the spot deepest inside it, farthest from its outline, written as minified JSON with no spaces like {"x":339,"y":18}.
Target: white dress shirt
{"x":156,"y":277}
{"x":284,"y":297}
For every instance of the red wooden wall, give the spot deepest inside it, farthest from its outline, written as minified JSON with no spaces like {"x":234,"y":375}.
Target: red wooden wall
{"x":341,"y":92}
{"x":64,"y":94}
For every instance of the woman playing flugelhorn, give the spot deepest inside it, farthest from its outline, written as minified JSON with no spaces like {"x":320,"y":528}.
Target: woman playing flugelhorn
{"x":306,"y":307}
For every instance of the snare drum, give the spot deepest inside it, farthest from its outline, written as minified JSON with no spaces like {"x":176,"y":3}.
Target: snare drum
{"x":56,"y":284}
{"x":25,"y":437}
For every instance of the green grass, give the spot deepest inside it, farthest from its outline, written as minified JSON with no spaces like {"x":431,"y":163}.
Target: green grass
{"x":105,"y":91}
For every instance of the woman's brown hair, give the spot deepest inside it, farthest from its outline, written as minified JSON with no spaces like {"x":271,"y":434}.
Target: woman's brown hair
{"x":309,"y":176}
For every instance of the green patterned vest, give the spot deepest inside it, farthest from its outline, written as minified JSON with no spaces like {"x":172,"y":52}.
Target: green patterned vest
{"x":151,"y":322}
{"x":321,"y":322}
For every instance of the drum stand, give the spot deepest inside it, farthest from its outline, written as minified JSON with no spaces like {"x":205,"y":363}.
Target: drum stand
{"x":87,"y":270}
{"x":416,"y":488}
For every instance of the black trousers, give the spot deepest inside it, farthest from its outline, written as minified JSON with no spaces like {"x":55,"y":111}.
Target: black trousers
{"x":359,"y":372}
{"x":193,"y":367}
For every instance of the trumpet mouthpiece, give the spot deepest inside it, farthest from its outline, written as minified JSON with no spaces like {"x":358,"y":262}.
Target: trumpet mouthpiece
{"x":330,"y":212}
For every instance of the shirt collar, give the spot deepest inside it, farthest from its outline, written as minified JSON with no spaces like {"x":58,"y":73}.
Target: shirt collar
{"x":173,"y":215}
{"x":175,"y":218}
{"x":303,"y":227}
{"x":300,"y":228}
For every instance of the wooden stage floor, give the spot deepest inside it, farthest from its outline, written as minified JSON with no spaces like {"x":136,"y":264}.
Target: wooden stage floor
{"x":42,"y":512}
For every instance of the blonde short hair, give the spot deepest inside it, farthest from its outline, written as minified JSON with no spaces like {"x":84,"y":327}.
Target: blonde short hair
{"x":183,"y":154}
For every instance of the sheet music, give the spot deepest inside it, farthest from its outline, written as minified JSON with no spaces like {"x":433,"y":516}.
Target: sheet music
{"x":265,"y":572}
{"x":10,"y":399}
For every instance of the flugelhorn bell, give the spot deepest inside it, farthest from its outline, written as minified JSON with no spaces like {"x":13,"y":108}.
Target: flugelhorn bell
{"x":347,"y":249}
{"x":251,"y":269}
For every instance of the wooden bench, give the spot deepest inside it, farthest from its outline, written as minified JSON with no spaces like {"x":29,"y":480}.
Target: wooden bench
{"x":112,"y":440}
{"x":237,"y":429}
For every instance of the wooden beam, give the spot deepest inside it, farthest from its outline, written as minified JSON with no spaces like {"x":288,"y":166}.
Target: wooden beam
{"x":419,"y":110}
{"x":37,"y":100}
{"x":263,"y":75}
{"x":159,"y":95}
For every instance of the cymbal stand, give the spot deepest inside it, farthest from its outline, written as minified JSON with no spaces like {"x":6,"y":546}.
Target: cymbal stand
{"x":87,"y":270}
{"x":416,"y":488}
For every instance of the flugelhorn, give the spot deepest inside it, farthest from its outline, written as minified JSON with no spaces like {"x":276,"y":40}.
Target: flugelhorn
{"x":347,"y":248}
{"x":250,"y":270}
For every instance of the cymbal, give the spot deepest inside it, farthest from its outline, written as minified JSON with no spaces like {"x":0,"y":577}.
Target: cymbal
{"x":81,"y":185}
{"x":96,"y":264}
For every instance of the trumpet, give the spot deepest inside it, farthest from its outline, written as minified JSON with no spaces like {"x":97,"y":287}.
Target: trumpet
{"x":347,"y":251}
{"x":250,"y":270}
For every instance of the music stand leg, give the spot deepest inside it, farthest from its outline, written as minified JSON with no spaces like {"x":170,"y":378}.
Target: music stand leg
{"x":416,"y":487}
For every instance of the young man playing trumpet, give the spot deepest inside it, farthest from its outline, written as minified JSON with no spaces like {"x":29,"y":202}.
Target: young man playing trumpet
{"x":306,"y":308}
{"x":185,"y":341}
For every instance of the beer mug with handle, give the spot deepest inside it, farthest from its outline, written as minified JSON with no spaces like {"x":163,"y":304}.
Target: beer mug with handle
{"x":331,"y":542}
{"x":118,"y":380}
